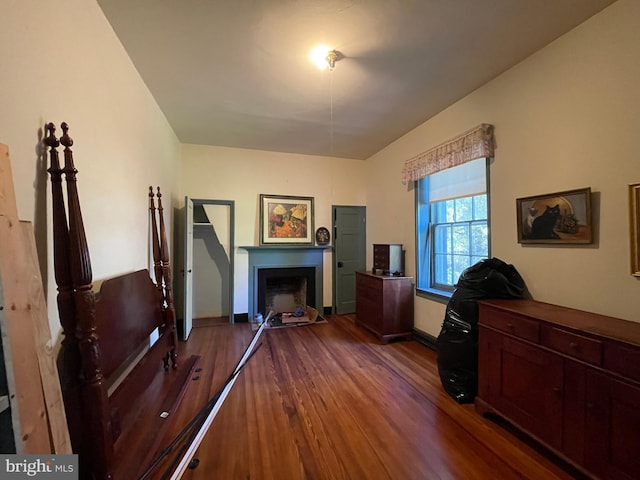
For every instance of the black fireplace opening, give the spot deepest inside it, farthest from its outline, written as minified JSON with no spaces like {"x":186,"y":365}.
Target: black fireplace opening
{"x":285,"y":289}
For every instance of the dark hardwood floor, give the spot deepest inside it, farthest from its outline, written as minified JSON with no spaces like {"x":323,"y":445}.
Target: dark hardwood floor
{"x":328,"y":401}
{"x":210,"y":321}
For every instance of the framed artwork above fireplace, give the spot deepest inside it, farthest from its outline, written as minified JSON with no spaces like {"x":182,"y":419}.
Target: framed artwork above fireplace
{"x":286,"y":220}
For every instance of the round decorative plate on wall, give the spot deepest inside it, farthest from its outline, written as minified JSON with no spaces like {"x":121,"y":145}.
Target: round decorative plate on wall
{"x":323,"y":236}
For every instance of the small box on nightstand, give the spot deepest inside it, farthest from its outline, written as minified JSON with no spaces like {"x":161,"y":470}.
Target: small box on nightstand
{"x":389,"y":258}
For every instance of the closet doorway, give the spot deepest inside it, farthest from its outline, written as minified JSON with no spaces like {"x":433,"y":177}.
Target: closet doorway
{"x":209,"y":248}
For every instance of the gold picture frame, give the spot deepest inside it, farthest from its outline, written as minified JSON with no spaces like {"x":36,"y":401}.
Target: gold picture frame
{"x":634,"y":216}
{"x":556,"y":218}
{"x":286,"y":220}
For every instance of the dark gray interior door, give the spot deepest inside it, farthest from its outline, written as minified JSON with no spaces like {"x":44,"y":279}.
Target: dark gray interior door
{"x":349,"y":254}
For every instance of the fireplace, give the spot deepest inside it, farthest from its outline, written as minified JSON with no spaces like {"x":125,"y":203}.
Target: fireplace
{"x":285,"y":289}
{"x":295,"y":276}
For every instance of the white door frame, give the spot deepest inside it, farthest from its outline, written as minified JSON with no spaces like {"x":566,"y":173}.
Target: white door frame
{"x":188,"y":268}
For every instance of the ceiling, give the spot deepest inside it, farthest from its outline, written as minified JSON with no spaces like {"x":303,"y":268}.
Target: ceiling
{"x":236,"y":73}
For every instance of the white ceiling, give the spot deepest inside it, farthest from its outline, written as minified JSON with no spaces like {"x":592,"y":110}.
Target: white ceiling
{"x":236,"y":72}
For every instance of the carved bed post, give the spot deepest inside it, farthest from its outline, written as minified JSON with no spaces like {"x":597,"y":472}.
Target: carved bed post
{"x":159,"y":274}
{"x":98,"y":424}
{"x":69,"y":363}
{"x":169,"y":309}
{"x":155,"y":240}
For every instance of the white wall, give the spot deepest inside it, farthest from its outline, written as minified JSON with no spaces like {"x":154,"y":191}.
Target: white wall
{"x":63,"y":62}
{"x":565,"y":118}
{"x":220,"y":173}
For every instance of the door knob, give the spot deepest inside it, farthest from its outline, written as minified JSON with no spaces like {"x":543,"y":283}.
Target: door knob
{"x":340,"y":264}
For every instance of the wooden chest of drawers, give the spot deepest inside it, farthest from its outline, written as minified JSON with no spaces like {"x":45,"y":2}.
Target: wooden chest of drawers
{"x":384,"y":305}
{"x":570,"y":379}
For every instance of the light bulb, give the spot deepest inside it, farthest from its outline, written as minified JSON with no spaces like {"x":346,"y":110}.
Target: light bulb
{"x":318,"y":56}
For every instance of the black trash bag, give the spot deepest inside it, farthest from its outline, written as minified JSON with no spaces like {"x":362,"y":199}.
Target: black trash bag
{"x":492,"y":278}
{"x":457,"y":343}
{"x":457,"y":347}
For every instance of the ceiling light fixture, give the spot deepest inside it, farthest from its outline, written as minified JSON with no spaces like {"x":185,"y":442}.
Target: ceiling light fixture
{"x":332,"y":57}
{"x":325,"y":57}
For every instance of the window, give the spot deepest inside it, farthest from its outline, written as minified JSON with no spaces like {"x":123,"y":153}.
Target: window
{"x":451,"y":225}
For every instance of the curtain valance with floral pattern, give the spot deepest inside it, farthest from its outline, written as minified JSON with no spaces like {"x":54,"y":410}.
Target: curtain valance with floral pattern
{"x":476,"y":143}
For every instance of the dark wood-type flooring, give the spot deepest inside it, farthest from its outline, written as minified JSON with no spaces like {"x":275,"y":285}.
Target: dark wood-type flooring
{"x":328,"y":401}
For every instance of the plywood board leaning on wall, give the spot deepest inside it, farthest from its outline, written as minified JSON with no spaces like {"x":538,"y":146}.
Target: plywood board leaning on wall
{"x":35,"y":395}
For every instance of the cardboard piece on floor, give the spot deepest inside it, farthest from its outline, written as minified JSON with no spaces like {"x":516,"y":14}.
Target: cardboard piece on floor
{"x":310,"y":316}
{"x":284,"y":320}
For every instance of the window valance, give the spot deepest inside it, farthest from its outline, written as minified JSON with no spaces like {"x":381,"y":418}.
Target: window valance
{"x":476,"y":143}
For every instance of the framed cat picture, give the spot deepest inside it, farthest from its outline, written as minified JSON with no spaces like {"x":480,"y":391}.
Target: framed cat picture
{"x":555,"y":218}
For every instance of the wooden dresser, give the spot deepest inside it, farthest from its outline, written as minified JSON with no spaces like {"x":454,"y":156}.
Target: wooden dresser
{"x":384,"y":305}
{"x":568,"y":378}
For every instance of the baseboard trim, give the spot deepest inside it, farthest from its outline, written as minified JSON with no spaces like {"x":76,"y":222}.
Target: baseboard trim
{"x":424,"y":338}
{"x":241,"y":318}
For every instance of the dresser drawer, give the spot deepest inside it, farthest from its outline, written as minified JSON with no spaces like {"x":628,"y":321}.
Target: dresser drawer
{"x":574,"y":345}
{"x":623,"y":359}
{"x":368,"y":282}
{"x":513,"y":324}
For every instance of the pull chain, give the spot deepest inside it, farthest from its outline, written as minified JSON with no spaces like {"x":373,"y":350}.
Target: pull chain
{"x":331,"y":110}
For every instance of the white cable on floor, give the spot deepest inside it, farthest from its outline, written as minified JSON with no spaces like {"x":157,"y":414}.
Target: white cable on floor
{"x":186,"y":459}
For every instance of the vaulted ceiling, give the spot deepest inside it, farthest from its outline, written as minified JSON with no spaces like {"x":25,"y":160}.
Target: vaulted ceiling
{"x":236,"y":72}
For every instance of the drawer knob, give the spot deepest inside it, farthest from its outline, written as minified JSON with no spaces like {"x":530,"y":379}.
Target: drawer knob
{"x":510,"y":326}
{"x":573,"y":345}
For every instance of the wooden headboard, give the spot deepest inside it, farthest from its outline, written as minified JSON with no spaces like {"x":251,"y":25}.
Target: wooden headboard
{"x":123,"y":326}
{"x":103,"y":333}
